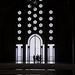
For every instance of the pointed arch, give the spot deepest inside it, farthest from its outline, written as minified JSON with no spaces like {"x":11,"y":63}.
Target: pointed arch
{"x":34,"y":47}
{"x":35,"y":35}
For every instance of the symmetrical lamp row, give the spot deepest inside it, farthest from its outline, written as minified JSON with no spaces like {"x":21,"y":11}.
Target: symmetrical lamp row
{"x":35,"y":16}
{"x":19,"y":25}
{"x":50,"y":24}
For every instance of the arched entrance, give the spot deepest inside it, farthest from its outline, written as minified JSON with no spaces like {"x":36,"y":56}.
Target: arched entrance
{"x":35,"y":50}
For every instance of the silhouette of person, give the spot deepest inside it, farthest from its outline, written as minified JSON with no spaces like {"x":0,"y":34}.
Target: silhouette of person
{"x":37,"y":57}
{"x":40,"y":58}
{"x":34,"y":58}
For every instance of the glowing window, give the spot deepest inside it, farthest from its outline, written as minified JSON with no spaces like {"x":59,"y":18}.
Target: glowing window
{"x":19,"y":19}
{"x":40,"y":31}
{"x":34,"y":9}
{"x":34,"y":28}
{"x":50,"y":31}
{"x":19,"y":38}
{"x":34,"y":22}
{"x":19,"y":12}
{"x":40,"y":5}
{"x":19,"y":25}
{"x":29,"y":18}
{"x":19,"y":31}
{"x":40,"y":18}
{"x":29,"y":6}
{"x":50,"y":38}
{"x":50,"y":18}
{"x":29,"y":25}
{"x":40,"y":12}
{"x":51,"y":12}
{"x":40,"y":25}
{"x":29,"y":31}
{"x":29,"y":12}
{"x":51,"y":25}
{"x":34,"y":15}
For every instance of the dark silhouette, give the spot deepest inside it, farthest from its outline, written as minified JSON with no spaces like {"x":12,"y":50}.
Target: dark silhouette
{"x":34,"y":58}
{"x":40,"y":58}
{"x":37,"y":58}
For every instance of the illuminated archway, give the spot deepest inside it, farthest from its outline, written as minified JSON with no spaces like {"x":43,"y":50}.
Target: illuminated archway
{"x":35,"y":47}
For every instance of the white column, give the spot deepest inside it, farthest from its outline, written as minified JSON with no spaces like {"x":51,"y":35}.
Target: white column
{"x":51,"y":54}
{"x":19,"y":53}
{"x":43,"y":54}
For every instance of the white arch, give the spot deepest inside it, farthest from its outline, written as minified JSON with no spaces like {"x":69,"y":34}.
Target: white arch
{"x":30,"y":53}
{"x":41,"y":41}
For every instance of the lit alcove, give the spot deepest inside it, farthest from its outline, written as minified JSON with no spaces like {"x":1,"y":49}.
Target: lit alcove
{"x":51,"y":54}
{"x":34,"y":48}
{"x":19,"y":54}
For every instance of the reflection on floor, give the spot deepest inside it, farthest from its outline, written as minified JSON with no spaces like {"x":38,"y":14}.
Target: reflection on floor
{"x":51,"y":72}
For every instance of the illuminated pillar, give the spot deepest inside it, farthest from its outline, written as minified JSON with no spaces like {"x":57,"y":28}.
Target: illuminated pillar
{"x":19,"y":53}
{"x":51,"y":54}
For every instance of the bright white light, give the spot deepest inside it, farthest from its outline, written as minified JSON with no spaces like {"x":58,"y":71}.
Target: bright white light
{"x":50,"y":18}
{"x":29,"y":18}
{"x":40,"y":18}
{"x":34,"y":22}
{"x":29,"y":25}
{"x":19,"y":12}
{"x":35,"y":42}
{"x":40,"y":25}
{"x":19,"y":31}
{"x":29,"y":12}
{"x":40,"y":0}
{"x":50,"y":38}
{"x":40,"y":5}
{"x":50,"y":31}
{"x":51,"y":25}
{"x":40,"y":31}
{"x":19,"y":54}
{"x":34,"y":15}
{"x":29,"y":6}
{"x":19,"y":19}
{"x":19,"y":25}
{"x":51,"y":12}
{"x":40,"y":12}
{"x":19,"y":38}
{"x":29,"y":31}
{"x":34,"y":28}
{"x":51,"y":54}
{"x":34,"y":9}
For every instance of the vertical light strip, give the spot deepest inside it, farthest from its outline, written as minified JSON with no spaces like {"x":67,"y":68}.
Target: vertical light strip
{"x":19,"y":53}
{"x":51,"y":50}
{"x":19,"y":19}
{"x":50,"y":24}
{"x":40,"y":16}
{"x":51,"y":56}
